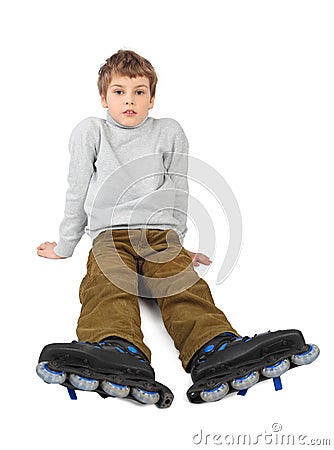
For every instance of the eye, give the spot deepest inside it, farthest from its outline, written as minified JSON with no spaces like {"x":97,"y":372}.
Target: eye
{"x":118,"y":92}
{"x":140,"y":92}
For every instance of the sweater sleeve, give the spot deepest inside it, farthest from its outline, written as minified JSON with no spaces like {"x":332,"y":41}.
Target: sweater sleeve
{"x":83,"y":150}
{"x":176,"y":165}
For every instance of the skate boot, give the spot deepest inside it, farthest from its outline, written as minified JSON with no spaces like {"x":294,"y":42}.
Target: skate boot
{"x":228,"y":364}
{"x":112,"y":368}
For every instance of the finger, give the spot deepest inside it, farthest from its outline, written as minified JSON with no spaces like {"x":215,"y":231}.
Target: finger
{"x":204,"y":258}
{"x":205,"y":262}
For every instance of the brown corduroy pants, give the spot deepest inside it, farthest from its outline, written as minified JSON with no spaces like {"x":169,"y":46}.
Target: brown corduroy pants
{"x":126,"y":264}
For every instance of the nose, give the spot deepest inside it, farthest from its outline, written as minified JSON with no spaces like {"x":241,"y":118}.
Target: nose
{"x":129,"y":101}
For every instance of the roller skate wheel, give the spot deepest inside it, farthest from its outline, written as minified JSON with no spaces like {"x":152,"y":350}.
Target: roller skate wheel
{"x":115,"y":390}
{"x":143,"y":396}
{"x":307,"y":357}
{"x":213,"y":395}
{"x":277,"y":369}
{"x":246,"y":382}
{"x":48,"y":375}
{"x":83,"y":383}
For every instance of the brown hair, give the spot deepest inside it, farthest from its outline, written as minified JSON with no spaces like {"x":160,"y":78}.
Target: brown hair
{"x":126,"y":63}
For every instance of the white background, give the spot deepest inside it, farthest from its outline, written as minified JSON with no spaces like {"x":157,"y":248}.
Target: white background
{"x":251,"y":82}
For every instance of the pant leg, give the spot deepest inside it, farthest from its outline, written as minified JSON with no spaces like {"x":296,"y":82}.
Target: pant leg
{"x":109,"y":292}
{"x":185,"y":300}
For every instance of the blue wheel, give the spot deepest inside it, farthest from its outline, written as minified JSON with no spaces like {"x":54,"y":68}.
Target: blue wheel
{"x":48,"y":375}
{"x":246,"y":382}
{"x":307,"y":357}
{"x":213,"y":395}
{"x":277,"y":369}
{"x":83,"y":383}
{"x":146,"y":397}
{"x":115,"y":390}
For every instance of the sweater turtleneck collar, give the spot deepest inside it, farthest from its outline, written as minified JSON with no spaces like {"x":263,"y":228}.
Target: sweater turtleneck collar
{"x":111,"y":121}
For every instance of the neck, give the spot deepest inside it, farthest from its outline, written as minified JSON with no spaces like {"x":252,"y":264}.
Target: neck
{"x":112,"y":121}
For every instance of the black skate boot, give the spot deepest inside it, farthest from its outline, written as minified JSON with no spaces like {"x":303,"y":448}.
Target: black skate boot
{"x":112,"y":368}
{"x":228,"y":364}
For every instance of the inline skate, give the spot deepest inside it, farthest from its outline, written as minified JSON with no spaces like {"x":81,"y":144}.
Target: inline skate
{"x":112,"y":368}
{"x":229,"y":363}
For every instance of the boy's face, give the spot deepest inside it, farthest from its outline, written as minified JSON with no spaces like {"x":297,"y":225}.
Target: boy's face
{"x":128,"y":99}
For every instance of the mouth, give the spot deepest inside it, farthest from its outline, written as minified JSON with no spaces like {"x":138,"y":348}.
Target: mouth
{"x":129,"y":112}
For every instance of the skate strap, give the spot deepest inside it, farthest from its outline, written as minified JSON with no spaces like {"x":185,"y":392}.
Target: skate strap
{"x":72,"y":394}
{"x":243,"y":392}
{"x":278,"y":383}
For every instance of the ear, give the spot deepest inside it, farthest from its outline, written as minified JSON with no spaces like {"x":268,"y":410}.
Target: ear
{"x":151,"y":103}
{"x":103,"y":101}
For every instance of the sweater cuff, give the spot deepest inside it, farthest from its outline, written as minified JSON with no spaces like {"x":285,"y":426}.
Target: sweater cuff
{"x":182,"y":235}
{"x":65,"y":248}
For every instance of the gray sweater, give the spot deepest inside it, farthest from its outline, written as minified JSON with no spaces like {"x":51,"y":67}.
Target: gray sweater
{"x":124,"y":177}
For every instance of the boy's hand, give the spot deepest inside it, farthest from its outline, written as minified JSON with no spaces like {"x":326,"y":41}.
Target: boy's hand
{"x":199,"y":258}
{"x":46,"y":250}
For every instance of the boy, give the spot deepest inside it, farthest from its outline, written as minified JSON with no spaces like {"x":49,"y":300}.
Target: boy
{"x":128,"y":190}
